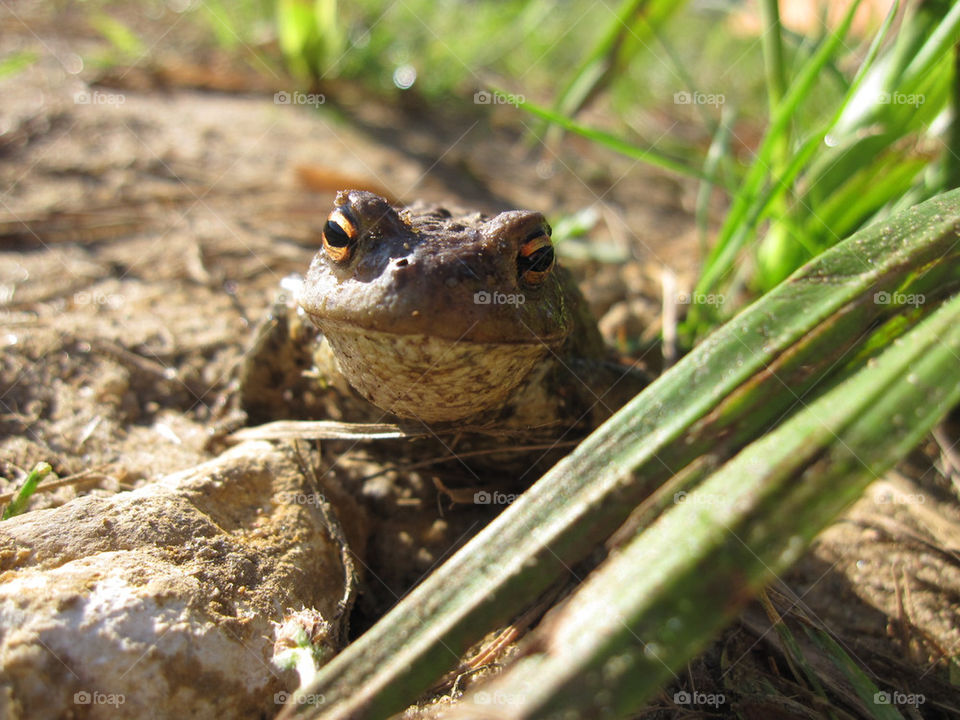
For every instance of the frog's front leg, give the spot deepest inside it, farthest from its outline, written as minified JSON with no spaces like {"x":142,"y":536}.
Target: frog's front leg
{"x":290,"y":372}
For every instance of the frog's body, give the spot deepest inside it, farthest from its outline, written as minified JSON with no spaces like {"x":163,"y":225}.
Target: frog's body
{"x":457,"y":318}
{"x":395,"y":296}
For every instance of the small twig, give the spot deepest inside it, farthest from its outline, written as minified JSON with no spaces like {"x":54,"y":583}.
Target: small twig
{"x":322,"y":430}
{"x":127,"y":357}
{"x":332,"y":430}
{"x":462,"y":496}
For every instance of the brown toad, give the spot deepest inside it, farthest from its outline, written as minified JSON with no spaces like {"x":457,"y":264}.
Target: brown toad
{"x":454,"y":317}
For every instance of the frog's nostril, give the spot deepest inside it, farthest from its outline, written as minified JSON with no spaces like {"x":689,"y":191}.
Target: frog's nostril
{"x":402,"y":262}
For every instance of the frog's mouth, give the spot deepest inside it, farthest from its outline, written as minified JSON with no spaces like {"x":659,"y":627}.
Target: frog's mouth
{"x":429,"y":378}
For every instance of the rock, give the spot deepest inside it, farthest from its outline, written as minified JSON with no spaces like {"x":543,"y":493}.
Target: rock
{"x":160,"y":602}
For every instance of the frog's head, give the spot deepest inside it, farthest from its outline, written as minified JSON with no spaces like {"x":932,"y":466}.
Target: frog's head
{"x":431,"y":314}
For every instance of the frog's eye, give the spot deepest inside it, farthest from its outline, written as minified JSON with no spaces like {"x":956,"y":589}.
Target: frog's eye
{"x":340,"y":235}
{"x":536,"y":257}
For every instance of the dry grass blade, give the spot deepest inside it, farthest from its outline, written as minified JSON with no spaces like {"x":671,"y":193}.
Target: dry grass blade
{"x":322,"y":430}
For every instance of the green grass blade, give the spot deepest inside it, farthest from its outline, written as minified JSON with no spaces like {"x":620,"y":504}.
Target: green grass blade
{"x":20,"y":500}
{"x":220,"y":22}
{"x":743,"y":212}
{"x":938,"y":45}
{"x":719,"y":149}
{"x":660,"y":600}
{"x":796,"y":660}
{"x":951,"y":158}
{"x":622,"y":31}
{"x":861,"y":195}
{"x":17,"y":62}
{"x":123,"y":39}
{"x":862,"y":685}
{"x":782,"y":250}
{"x":772,"y":41}
{"x":649,"y":155}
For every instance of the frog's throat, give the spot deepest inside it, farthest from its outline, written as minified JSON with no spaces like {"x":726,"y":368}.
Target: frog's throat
{"x":432,"y":379}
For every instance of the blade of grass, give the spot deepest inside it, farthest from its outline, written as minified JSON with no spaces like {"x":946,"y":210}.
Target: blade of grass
{"x":939,"y":44}
{"x":889,"y":76}
{"x":221,"y":23}
{"x":862,"y":194}
{"x":729,"y":390}
{"x":744,"y":212}
{"x":649,"y":155}
{"x":779,"y":242}
{"x":751,"y":216}
{"x":951,"y":158}
{"x":863,"y":686}
{"x":791,"y":650}
{"x":123,"y":39}
{"x":687,"y":82}
{"x":16,"y":62}
{"x":596,"y":68}
{"x":851,"y":181}
{"x":20,"y":500}
{"x":655,"y":604}
{"x":719,"y":149}
{"x":771,"y":37}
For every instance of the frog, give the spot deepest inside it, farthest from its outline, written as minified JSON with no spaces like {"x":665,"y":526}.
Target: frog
{"x":444,"y":317}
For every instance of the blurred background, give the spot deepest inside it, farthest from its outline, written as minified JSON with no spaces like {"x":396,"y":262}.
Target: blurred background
{"x":727,"y":142}
{"x":165,"y":166}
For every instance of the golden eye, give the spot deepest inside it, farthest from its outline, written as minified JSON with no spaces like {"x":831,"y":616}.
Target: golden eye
{"x":340,"y":235}
{"x":536,"y":257}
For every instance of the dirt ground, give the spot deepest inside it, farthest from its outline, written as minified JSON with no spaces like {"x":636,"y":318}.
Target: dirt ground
{"x":145,"y":228}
